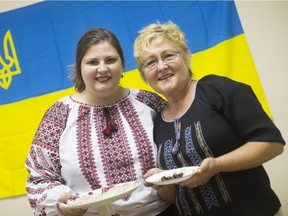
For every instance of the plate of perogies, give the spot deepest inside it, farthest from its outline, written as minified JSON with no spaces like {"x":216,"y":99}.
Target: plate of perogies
{"x":172,"y":176}
{"x":99,"y":198}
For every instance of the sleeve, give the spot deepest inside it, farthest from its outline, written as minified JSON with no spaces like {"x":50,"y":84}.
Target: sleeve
{"x":151,"y":99}
{"x":239,"y":105}
{"x":44,"y":184}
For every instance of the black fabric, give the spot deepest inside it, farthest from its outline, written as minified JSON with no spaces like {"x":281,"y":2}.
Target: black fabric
{"x":223,"y":116}
{"x":170,"y":211}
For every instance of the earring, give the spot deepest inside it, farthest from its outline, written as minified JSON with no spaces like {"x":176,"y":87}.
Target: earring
{"x":122,"y":75}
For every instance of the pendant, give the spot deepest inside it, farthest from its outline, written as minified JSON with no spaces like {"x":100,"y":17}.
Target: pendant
{"x":177,"y":128}
{"x":175,"y":148}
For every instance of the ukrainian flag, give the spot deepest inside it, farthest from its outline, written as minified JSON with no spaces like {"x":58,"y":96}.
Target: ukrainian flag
{"x":39,"y":44}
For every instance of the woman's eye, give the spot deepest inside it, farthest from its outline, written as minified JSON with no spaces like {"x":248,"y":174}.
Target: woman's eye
{"x":93,"y":62}
{"x":151,"y":63}
{"x":169,"y":56}
{"x":110,"y":60}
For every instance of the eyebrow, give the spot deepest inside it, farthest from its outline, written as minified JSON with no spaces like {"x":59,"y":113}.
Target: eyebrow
{"x":153,"y":55}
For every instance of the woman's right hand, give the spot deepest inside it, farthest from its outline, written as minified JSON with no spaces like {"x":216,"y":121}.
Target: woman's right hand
{"x":63,"y":198}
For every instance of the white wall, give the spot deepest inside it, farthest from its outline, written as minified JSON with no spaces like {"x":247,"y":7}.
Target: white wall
{"x":265,"y":25}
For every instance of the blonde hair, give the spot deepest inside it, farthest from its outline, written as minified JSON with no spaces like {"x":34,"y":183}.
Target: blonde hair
{"x":167,"y":31}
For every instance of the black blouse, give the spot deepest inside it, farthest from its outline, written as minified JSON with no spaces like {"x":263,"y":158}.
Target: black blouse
{"x":223,"y":116}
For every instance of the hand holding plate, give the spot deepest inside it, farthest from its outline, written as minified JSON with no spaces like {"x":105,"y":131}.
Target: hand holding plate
{"x":208,"y":168}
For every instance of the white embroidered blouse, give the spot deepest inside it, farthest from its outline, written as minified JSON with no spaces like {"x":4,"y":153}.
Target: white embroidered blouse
{"x":79,"y":147}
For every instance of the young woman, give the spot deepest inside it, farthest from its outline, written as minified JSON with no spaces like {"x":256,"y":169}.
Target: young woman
{"x":96,"y":138}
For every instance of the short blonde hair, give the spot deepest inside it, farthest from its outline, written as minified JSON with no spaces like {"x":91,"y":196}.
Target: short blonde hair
{"x":167,"y":31}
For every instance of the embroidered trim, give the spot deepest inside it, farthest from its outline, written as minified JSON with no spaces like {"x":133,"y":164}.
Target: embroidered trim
{"x":84,"y":148}
{"x":208,"y":153}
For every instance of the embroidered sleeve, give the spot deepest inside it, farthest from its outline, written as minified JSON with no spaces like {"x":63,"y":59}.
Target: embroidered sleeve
{"x":45,"y":184}
{"x":152,"y":100}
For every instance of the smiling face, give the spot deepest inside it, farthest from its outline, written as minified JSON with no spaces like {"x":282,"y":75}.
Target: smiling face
{"x":166,"y":78}
{"x":101,"y":69}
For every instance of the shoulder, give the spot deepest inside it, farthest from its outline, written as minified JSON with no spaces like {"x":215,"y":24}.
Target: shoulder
{"x":216,"y":81}
{"x":59,"y":111}
{"x":219,"y":90}
{"x":221,"y":85}
{"x":62,"y":103}
{"x":151,"y":99}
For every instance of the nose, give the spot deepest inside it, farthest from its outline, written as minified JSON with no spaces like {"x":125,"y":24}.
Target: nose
{"x":102,"y":67}
{"x":161,"y":64}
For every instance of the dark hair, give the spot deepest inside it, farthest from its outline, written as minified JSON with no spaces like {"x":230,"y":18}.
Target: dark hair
{"x":92,"y":37}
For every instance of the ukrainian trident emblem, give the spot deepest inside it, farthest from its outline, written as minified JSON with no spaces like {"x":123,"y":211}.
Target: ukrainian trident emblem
{"x":10,"y":64}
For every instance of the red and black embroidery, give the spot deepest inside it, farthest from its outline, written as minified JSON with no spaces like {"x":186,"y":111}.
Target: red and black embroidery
{"x":151,"y":99}
{"x":141,"y":139}
{"x":116,"y":156}
{"x":85,"y":149}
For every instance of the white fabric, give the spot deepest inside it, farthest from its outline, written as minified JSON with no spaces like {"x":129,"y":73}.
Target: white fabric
{"x":70,"y":139}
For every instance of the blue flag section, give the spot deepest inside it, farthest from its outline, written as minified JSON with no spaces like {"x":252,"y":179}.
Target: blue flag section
{"x":39,"y":41}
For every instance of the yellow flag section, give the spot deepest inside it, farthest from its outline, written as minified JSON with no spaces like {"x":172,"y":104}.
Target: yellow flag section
{"x":230,"y":58}
{"x":19,"y":121}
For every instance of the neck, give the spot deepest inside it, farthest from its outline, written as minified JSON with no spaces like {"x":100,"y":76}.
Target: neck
{"x":101,"y":100}
{"x":179,"y":102}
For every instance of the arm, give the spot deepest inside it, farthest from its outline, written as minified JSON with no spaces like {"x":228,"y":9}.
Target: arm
{"x":250,"y":155}
{"x":237,"y":103}
{"x":45,"y":183}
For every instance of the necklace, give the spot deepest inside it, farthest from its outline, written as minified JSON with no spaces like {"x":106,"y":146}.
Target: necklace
{"x":177,"y":127}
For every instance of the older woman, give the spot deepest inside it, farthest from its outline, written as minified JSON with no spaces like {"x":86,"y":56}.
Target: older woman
{"x":214,"y":123}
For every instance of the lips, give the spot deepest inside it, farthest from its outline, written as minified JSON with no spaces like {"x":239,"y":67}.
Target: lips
{"x":102,"y":79}
{"x":167,"y":76}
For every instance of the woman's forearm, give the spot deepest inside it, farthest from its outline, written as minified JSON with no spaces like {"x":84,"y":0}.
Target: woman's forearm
{"x":250,"y":155}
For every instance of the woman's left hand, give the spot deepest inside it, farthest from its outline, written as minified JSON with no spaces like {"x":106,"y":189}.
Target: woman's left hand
{"x":165,"y":192}
{"x":151,"y":172}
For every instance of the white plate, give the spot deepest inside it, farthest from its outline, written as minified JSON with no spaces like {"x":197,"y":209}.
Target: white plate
{"x":187,"y":173}
{"x":97,"y":198}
